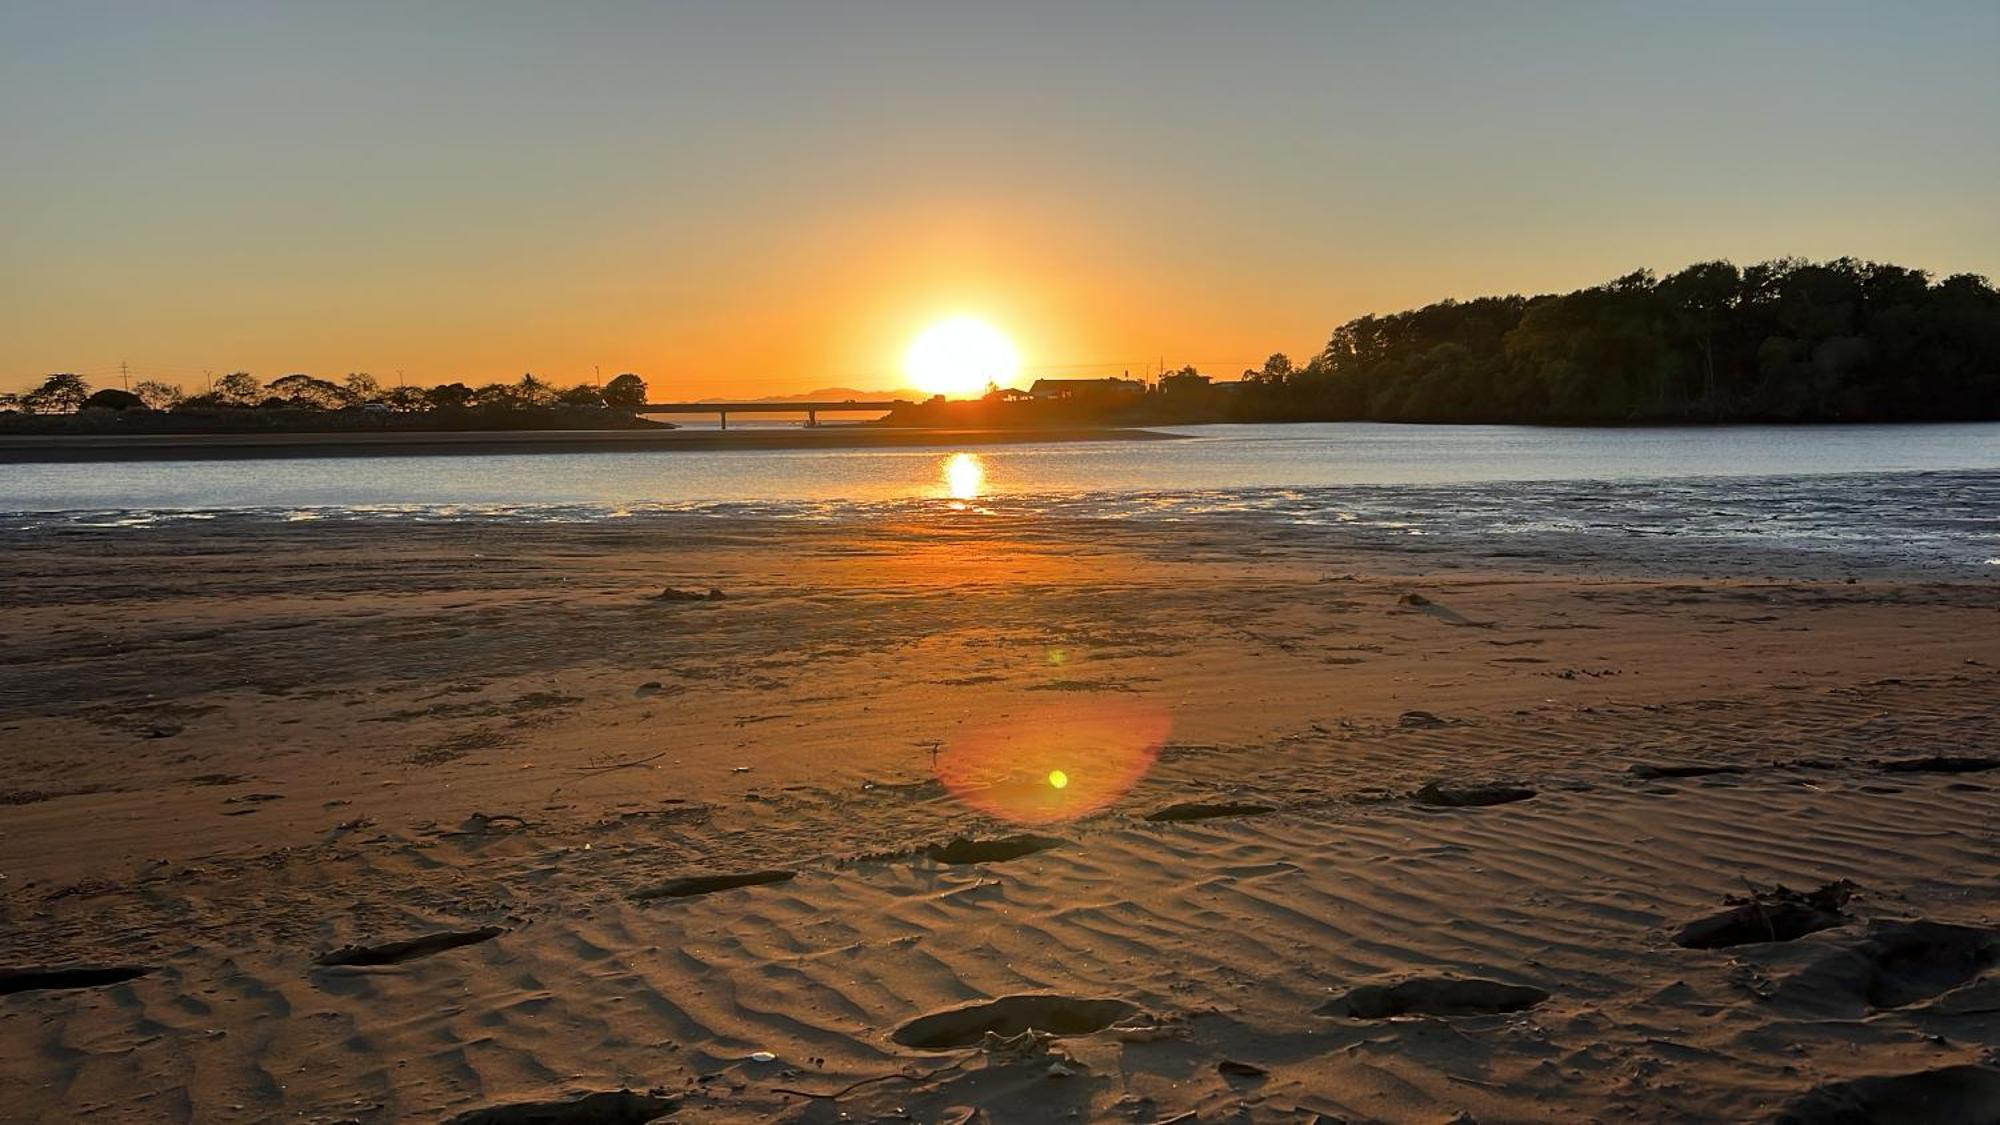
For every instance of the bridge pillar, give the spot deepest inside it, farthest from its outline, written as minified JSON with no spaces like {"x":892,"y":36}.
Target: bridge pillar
{"x":812,"y":418}
{"x":725,"y":418}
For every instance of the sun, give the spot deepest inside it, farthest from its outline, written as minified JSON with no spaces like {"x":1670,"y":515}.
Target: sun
{"x":960,"y":356}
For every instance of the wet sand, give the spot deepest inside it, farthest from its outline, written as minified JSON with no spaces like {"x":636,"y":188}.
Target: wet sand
{"x":405,"y":821}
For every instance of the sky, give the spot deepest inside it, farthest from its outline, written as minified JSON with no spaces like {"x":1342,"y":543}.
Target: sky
{"x":767,"y":198}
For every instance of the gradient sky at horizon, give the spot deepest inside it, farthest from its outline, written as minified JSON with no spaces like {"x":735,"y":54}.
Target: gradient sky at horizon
{"x":763,"y":197}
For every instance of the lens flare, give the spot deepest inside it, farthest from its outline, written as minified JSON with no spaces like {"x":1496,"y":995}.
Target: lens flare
{"x":1056,"y":761}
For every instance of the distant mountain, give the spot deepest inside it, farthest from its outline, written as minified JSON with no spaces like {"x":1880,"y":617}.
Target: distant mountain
{"x":828,"y":394}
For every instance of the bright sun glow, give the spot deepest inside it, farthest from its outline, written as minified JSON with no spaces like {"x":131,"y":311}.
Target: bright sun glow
{"x":960,"y":356}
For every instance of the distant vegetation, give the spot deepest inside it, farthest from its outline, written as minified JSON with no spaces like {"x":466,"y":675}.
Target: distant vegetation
{"x":238,"y":402}
{"x":1780,"y":341}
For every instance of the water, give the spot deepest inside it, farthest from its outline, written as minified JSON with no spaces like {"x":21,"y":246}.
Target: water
{"x":1927,"y":495}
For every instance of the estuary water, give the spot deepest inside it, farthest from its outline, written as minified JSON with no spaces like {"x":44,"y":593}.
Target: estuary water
{"x":1926,"y":495}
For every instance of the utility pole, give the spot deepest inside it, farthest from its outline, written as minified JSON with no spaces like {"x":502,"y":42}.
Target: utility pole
{"x":125,"y":374}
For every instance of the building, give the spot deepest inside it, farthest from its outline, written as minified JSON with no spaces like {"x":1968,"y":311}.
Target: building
{"x":1086,"y":388}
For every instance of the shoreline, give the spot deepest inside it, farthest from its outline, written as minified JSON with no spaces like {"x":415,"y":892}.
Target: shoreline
{"x":75,"y":448}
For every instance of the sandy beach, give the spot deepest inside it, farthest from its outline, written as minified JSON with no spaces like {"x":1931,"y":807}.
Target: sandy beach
{"x":388,"y":821}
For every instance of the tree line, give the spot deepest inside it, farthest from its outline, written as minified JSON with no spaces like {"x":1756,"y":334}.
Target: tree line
{"x":1780,"y":341}
{"x":66,"y":393}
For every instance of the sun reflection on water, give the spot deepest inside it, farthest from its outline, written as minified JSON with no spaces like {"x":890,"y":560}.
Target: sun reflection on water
{"x":964,"y":476}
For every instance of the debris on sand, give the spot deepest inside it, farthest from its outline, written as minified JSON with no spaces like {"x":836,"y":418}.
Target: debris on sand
{"x":675,"y":594}
{"x":1776,"y":914}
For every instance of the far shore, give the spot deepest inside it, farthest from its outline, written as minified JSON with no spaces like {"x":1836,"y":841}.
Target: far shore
{"x":21,"y":448}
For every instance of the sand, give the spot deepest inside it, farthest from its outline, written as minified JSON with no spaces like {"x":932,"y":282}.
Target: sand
{"x":372,"y":821}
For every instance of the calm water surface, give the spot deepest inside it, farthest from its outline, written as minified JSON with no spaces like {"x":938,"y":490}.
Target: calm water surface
{"x":1928,"y":494}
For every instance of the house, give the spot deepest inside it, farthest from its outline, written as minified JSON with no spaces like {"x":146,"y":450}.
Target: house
{"x":1086,"y":388}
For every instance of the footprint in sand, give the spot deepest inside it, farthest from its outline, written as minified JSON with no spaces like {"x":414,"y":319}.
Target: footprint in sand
{"x":1010,"y":1016}
{"x":1898,"y":964}
{"x":690,"y":886}
{"x":1949,"y":1095}
{"x":606,"y":1107}
{"x":397,"y":952}
{"x":1433,"y":996}
{"x":39,"y":978}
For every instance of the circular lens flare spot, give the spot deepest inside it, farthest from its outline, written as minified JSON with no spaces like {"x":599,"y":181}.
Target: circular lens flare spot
{"x":1055,"y":762}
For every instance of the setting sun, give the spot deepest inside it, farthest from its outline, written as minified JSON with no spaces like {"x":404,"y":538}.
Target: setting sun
{"x":960,"y":356}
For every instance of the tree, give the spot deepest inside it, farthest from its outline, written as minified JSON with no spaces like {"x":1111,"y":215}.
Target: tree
{"x":406,"y":400}
{"x":238,"y":388}
{"x":449,"y":396}
{"x":305,"y":391}
{"x":583,"y":394}
{"x":531,"y":391}
{"x":157,"y":395}
{"x":62,"y":393}
{"x":625,"y":392}
{"x":111,"y":398}
{"x":360,"y":387}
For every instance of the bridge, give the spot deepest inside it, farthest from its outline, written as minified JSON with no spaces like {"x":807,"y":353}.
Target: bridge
{"x":812,"y":410}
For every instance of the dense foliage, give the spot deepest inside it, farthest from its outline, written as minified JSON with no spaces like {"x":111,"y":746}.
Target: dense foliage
{"x":1786,"y":341}
{"x":66,"y":393}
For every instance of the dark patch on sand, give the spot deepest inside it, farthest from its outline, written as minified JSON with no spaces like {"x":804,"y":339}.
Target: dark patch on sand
{"x":689,"y":886}
{"x":409,"y":949}
{"x":1208,"y":810}
{"x":40,"y":978}
{"x":1949,"y":1095}
{"x":1010,"y":1016}
{"x":606,"y":1107}
{"x":964,"y":850}
{"x":1939,"y":763}
{"x":1651,"y":770}
{"x":1450,"y":795}
{"x":1434,"y":996}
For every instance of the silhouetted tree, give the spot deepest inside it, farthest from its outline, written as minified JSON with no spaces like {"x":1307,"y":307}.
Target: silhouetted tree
{"x":625,"y":392}
{"x":306,"y":391}
{"x":61,"y":393}
{"x":157,"y":395}
{"x":238,"y":388}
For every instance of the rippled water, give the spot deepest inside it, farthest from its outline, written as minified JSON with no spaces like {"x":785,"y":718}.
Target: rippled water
{"x":1923,"y":495}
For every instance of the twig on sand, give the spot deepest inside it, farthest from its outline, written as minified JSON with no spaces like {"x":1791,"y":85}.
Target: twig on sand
{"x":619,"y":765}
{"x":890,"y":1077}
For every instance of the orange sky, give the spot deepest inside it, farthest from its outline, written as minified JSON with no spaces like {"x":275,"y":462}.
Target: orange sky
{"x":776,"y":198}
